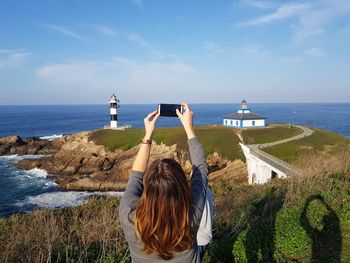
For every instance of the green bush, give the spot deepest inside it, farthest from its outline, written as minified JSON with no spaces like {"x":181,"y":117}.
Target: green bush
{"x":239,"y":251}
{"x":315,"y":228}
{"x":292,"y":243}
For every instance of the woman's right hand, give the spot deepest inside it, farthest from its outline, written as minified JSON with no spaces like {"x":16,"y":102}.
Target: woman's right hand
{"x":150,"y":124}
{"x":186,"y":119}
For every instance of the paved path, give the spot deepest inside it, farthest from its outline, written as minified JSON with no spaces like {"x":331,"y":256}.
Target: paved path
{"x":274,"y":161}
{"x":306,"y":132}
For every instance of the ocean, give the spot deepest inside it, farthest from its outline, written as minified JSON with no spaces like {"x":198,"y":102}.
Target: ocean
{"x":23,"y":191}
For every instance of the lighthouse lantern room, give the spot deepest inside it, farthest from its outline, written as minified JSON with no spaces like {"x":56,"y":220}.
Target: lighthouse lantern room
{"x":114,"y":105}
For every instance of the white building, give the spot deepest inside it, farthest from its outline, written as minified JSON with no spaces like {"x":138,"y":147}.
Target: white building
{"x":263,"y":167}
{"x":244,"y":118}
{"x":114,"y":105}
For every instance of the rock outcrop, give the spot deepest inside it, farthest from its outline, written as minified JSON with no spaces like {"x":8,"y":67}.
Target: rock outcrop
{"x":80,"y":164}
{"x":32,"y":145}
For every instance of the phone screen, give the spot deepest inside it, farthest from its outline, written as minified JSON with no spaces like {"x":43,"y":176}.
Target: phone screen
{"x":168,"y":110}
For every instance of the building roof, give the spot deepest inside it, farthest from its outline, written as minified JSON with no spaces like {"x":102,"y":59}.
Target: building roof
{"x":114,"y":99}
{"x":244,"y":116}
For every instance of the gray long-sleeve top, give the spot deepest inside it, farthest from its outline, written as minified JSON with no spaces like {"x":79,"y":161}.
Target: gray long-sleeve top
{"x":133,"y":191}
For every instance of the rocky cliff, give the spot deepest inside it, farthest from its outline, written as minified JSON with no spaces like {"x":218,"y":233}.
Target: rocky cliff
{"x":32,"y":145}
{"x":80,"y":164}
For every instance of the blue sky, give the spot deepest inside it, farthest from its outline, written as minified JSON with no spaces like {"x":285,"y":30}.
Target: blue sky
{"x":82,"y":51}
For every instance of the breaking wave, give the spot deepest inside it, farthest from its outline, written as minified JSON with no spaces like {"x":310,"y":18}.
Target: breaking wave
{"x":51,"y":137}
{"x":14,"y":158}
{"x":37,"y":173}
{"x":62,"y":199}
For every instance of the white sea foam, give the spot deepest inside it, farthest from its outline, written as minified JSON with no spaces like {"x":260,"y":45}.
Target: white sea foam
{"x":51,"y":137}
{"x":62,"y":199}
{"x":50,"y":184}
{"x":14,"y":158}
{"x":38,"y":173}
{"x":26,"y":178}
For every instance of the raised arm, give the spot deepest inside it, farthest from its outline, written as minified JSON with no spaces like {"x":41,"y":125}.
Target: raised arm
{"x":199,"y":180}
{"x":134,"y":188}
{"x":141,"y":161}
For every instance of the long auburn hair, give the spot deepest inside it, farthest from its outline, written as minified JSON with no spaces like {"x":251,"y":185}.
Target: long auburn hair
{"x":162,"y":212}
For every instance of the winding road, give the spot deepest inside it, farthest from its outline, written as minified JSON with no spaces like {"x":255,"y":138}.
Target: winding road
{"x":306,"y":132}
{"x":256,"y":150}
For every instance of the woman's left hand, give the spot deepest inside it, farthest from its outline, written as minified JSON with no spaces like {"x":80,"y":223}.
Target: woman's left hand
{"x":150,"y":124}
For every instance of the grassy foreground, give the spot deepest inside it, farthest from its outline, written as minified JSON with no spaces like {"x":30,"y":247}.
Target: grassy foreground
{"x":271,"y":133}
{"x":213,"y":138}
{"x":302,"y":219}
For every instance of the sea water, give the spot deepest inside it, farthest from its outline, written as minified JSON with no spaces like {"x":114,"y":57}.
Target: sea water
{"x":23,"y":191}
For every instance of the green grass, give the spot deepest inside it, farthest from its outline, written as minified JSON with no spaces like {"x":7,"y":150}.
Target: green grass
{"x":115,"y":139}
{"x":269,"y":134}
{"x":320,"y":140}
{"x":213,"y":138}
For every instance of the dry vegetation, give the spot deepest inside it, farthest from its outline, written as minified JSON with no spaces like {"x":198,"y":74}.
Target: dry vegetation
{"x":263,"y":222}
{"x":314,"y":170}
{"x":91,"y":232}
{"x":87,"y":233}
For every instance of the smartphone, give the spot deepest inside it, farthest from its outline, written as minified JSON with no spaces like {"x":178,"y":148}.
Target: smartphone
{"x":169,"y":110}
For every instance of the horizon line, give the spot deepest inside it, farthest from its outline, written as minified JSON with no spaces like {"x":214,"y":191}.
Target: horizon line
{"x":190,"y":103}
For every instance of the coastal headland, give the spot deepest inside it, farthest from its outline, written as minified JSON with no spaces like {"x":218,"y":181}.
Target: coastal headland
{"x":301,"y":218}
{"x":101,"y":160}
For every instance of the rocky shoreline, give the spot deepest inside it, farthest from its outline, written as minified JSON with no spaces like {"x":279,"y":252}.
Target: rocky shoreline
{"x":79,"y":164}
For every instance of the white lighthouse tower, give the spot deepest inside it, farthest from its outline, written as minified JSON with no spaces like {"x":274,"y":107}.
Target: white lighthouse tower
{"x":114,"y":105}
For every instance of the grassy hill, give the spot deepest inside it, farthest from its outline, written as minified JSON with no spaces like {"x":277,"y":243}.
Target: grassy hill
{"x":271,"y":133}
{"x":213,"y":138}
{"x":319,"y":141}
{"x":225,"y":142}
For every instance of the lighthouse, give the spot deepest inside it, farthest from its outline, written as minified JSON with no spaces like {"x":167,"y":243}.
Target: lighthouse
{"x":244,"y":118}
{"x":114,"y":105}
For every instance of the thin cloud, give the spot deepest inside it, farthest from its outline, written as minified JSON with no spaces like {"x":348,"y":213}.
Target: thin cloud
{"x":211,"y":46}
{"x":6,"y":51}
{"x":61,"y":73}
{"x":138,"y":3}
{"x":283,"y":12}
{"x":66,"y":32}
{"x":98,"y":78}
{"x":314,"y":52}
{"x":259,"y":4}
{"x":12,"y":58}
{"x":252,"y":48}
{"x":256,"y":51}
{"x":139,"y":40}
{"x":104,"y":30}
{"x":316,"y":21}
